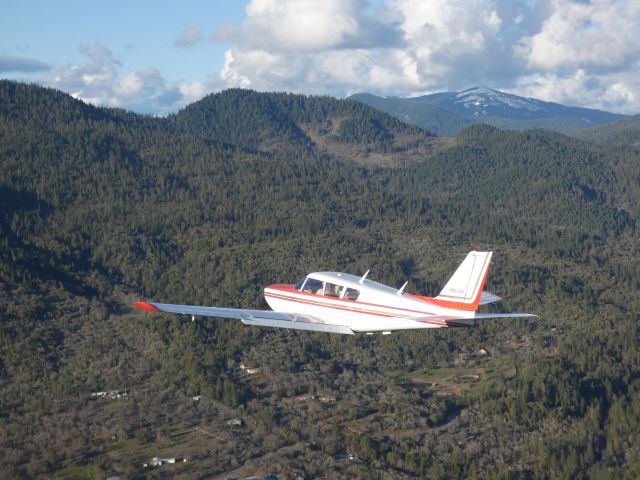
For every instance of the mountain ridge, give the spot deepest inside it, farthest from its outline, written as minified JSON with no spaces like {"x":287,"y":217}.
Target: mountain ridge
{"x":251,"y":120}
{"x":485,"y":105}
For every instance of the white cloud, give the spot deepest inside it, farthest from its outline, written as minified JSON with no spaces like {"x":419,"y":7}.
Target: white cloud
{"x":614,"y":92}
{"x":584,"y":54}
{"x":617,"y":91}
{"x":299,"y":25}
{"x":129,"y":85}
{"x":192,"y":91}
{"x":134,"y":83}
{"x":579,"y":52}
{"x":89,"y":81}
{"x":339,"y":46}
{"x":599,"y":34}
{"x":229,"y":72}
{"x":447,"y":40}
{"x":190,"y":36}
{"x":98,"y":81}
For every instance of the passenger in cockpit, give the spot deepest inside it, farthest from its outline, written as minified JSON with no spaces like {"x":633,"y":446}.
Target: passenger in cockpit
{"x":332,"y":290}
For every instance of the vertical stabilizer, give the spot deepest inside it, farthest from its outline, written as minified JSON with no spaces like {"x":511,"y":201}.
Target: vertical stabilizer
{"x":464,"y":288}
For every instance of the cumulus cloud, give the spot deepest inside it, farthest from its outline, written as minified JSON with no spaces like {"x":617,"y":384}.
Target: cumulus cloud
{"x":190,"y":36}
{"x":405,"y":46}
{"x":585,"y":54}
{"x":299,"y":26}
{"x":134,"y":83}
{"x":10,"y":63}
{"x":447,"y":42}
{"x":90,"y":81}
{"x":616,"y":91}
{"x":598,"y":35}
{"x":99,"y":81}
{"x":577,"y":52}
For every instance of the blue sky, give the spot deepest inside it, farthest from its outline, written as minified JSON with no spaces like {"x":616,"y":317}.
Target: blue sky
{"x":156,"y":57}
{"x":139,"y":33}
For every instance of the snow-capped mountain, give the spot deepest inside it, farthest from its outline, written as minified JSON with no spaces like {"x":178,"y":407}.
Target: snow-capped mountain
{"x":448,"y":112}
{"x":485,"y":101}
{"x":489,"y":102}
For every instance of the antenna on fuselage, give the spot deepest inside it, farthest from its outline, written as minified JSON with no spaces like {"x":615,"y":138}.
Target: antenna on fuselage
{"x":401,"y":289}
{"x":361,"y":281}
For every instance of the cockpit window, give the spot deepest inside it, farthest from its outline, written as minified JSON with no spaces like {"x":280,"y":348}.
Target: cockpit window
{"x":298,"y":286}
{"x":351,"y":294}
{"x":332,"y":290}
{"x":313,"y":286}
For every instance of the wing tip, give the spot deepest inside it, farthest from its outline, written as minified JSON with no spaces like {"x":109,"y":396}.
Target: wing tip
{"x":146,"y":306}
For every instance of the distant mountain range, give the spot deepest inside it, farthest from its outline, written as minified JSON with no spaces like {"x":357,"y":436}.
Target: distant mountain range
{"x":450,"y":112}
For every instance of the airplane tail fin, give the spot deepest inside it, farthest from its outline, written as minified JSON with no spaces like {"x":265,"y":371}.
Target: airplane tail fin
{"x":464,"y":289}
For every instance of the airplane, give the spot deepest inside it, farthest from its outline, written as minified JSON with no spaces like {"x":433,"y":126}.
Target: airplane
{"x":347,"y":304}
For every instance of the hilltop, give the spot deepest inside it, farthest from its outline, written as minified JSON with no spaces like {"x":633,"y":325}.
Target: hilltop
{"x":279,"y":122}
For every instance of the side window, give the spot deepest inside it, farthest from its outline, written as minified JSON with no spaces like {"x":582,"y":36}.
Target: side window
{"x":332,"y":290}
{"x":351,"y":294}
{"x":313,"y":286}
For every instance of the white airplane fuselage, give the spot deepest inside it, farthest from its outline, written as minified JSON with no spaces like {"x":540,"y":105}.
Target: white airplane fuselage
{"x":378,"y":308}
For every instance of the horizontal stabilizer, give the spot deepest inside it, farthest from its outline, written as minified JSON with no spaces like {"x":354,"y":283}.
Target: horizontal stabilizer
{"x":488,"y":297}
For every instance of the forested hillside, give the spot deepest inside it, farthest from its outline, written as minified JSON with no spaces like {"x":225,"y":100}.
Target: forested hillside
{"x":623,"y":132}
{"x":100,"y":207}
{"x":287,"y":124}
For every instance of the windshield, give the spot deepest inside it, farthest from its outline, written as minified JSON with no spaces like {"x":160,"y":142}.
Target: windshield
{"x":313,"y":286}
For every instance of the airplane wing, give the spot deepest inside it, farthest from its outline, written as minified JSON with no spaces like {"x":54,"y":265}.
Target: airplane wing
{"x":264,"y":318}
